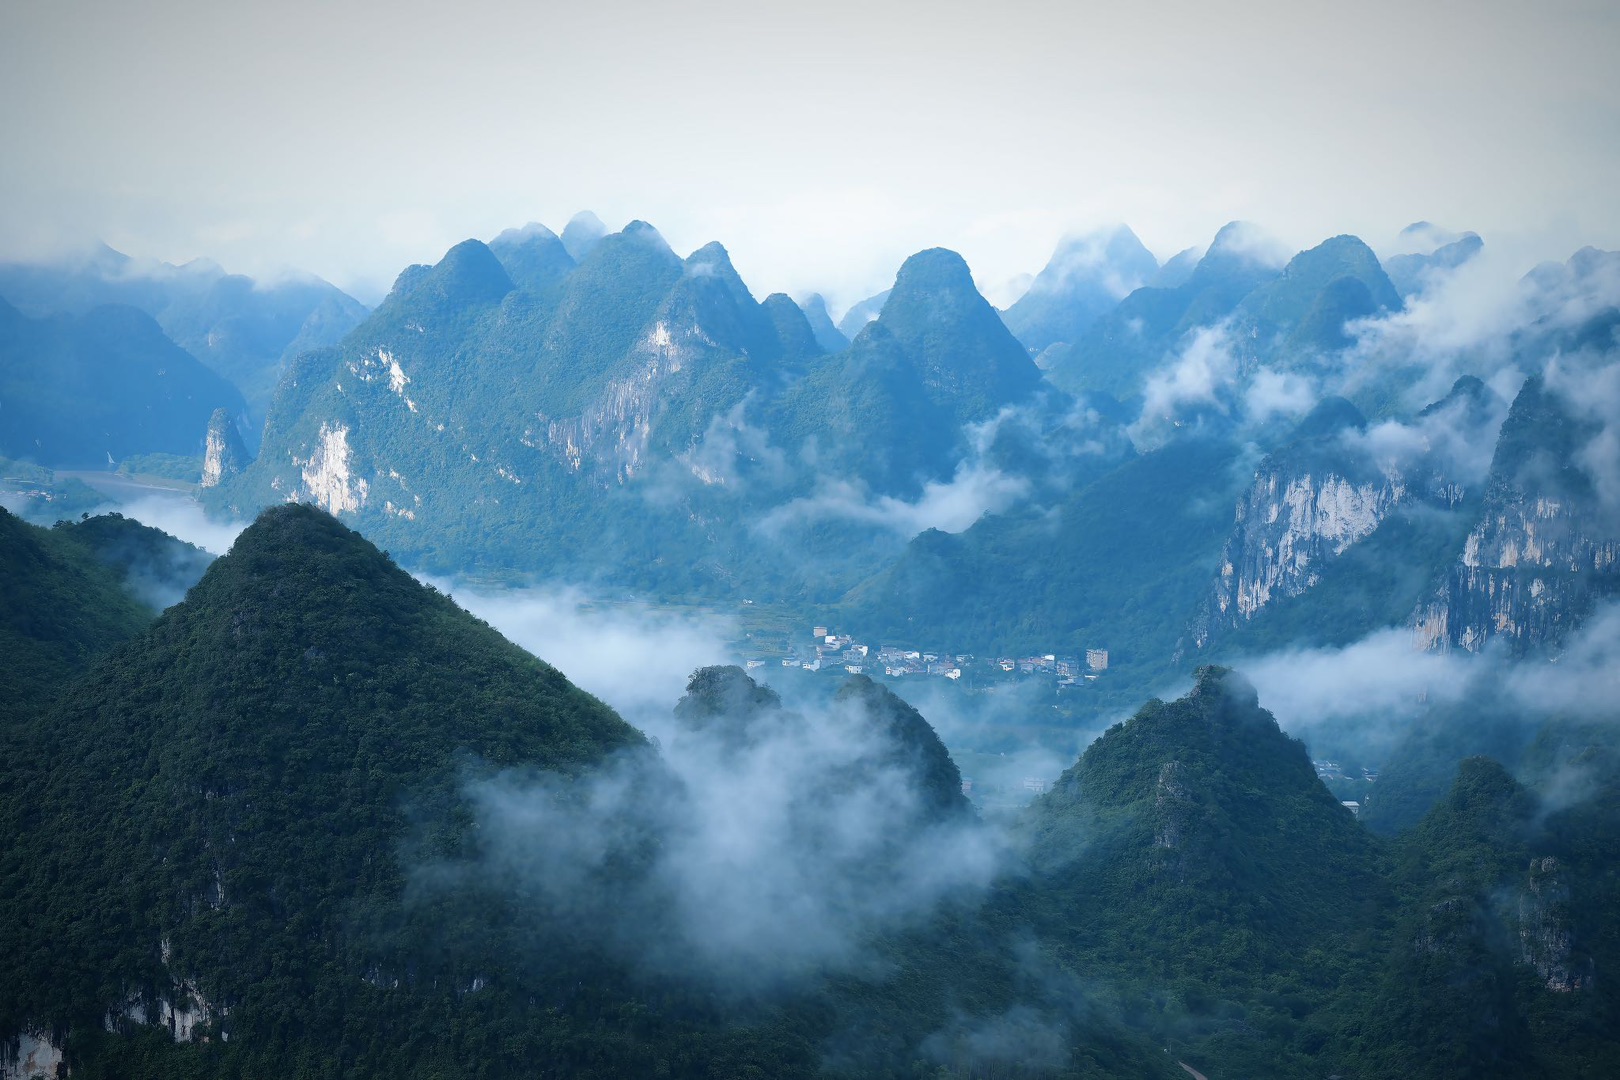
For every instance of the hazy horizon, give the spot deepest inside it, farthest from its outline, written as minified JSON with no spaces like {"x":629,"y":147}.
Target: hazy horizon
{"x":821,"y":146}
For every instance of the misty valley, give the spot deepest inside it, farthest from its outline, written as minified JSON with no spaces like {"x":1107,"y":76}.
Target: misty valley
{"x":574,"y":666}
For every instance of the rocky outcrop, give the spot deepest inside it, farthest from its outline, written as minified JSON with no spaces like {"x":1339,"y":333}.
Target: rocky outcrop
{"x":1544,"y":548}
{"x":1172,"y":807}
{"x":1546,"y":941}
{"x":224,"y":454}
{"x":328,"y":473}
{"x":1289,"y":526}
{"x":1527,"y":574}
{"x":614,"y":432}
{"x":32,"y":1054}
{"x":1317,"y":497}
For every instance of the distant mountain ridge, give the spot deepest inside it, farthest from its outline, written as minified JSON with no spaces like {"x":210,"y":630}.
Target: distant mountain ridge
{"x":1086,"y":277}
{"x":243,"y":330}
{"x":88,"y":391}
{"x":640,"y":418}
{"x":552,"y":395}
{"x":1116,"y":353}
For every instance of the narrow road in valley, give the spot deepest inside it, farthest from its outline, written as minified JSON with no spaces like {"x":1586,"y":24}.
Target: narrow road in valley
{"x":121,"y":487}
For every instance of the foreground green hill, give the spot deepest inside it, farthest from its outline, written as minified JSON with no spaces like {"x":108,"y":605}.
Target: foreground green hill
{"x":63,"y":607}
{"x":1192,"y":862}
{"x":73,"y":592}
{"x":1192,"y":857}
{"x":216,"y":815}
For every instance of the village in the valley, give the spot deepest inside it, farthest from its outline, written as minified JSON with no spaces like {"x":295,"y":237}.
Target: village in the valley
{"x":832,"y":650}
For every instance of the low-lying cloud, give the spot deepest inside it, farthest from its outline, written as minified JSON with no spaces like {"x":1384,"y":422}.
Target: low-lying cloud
{"x":1456,"y":441}
{"x":1271,"y":394}
{"x":181,"y":516}
{"x":1199,"y":377}
{"x":950,"y":506}
{"x":636,"y":657}
{"x":1378,"y":685}
{"x":732,"y":452}
{"x":755,"y":850}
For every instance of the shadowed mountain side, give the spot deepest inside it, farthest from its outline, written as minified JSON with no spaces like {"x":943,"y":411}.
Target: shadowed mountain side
{"x":890,"y":409}
{"x":87,"y":391}
{"x":1302,"y":313}
{"x":63,"y":607}
{"x":241,"y":329}
{"x":1133,"y":548}
{"x":829,"y":336}
{"x":532,"y":256}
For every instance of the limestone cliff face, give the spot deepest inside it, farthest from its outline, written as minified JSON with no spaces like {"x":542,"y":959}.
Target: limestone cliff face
{"x":611,"y":436}
{"x":1289,"y":526}
{"x":1527,"y":574}
{"x":1310,"y":503}
{"x":648,"y":402}
{"x":1546,"y":941}
{"x":224,"y":455}
{"x":328,"y":474}
{"x":463,"y":390}
{"x":1544,"y":548}
{"x":31,"y":1055}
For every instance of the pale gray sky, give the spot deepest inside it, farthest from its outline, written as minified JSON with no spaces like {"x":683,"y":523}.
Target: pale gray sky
{"x":820,"y":142}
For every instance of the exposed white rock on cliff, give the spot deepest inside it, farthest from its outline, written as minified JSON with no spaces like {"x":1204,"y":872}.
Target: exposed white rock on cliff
{"x":1172,"y":806}
{"x":183,"y":1011}
{"x":1290,"y":527}
{"x":224,"y":455}
{"x":31,"y":1054}
{"x":1337,"y":485}
{"x":1525,"y":573}
{"x":614,"y":432}
{"x":1544,"y":548}
{"x":327,"y":473}
{"x":185,"y":1014}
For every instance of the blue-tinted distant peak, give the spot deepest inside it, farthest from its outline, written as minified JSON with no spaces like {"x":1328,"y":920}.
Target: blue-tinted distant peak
{"x":1425,"y":238}
{"x":530,"y":232}
{"x":712,"y":263}
{"x":935,"y":268}
{"x":709,"y":259}
{"x":470,"y":273}
{"x":1177,"y":268}
{"x":533,"y":256}
{"x":582,"y":233}
{"x":1247,"y":242}
{"x":828,"y":335}
{"x":640,"y":230}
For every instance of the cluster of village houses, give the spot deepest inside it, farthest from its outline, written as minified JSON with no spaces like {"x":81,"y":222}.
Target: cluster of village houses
{"x":1332,"y":770}
{"x":833,"y":649}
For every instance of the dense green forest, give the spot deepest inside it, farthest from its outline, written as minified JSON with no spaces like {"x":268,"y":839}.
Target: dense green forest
{"x":251,"y":836}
